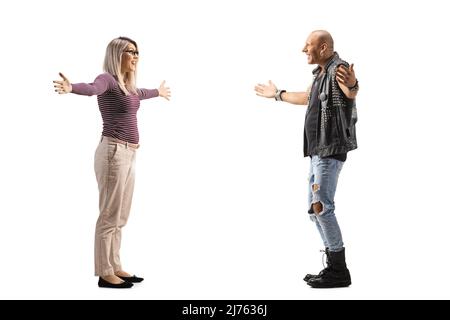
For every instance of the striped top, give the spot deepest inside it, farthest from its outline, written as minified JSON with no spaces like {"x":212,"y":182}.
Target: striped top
{"x":118,"y":110}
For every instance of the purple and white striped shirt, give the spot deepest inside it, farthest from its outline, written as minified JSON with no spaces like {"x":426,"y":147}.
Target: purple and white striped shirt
{"x":118,"y":110}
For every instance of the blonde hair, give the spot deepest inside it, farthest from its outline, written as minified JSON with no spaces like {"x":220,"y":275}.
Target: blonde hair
{"x":113,"y":64}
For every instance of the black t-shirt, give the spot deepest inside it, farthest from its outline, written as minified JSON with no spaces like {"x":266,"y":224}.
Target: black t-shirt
{"x":312,"y":121}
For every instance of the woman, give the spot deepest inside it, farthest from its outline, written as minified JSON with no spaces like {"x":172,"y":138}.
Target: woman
{"x":118,"y":100}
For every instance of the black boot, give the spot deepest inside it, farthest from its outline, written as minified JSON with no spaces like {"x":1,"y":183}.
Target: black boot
{"x":337,"y":274}
{"x":310,"y":276}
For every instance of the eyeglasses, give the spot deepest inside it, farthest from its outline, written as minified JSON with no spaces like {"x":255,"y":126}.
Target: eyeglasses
{"x":132,"y":52}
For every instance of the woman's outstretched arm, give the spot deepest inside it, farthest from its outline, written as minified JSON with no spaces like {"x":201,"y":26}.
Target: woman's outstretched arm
{"x":99,"y":86}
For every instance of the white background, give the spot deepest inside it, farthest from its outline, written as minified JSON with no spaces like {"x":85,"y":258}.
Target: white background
{"x":219,"y":209}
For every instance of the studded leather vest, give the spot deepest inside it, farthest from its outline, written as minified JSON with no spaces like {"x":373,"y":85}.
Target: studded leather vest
{"x":337,"y":114}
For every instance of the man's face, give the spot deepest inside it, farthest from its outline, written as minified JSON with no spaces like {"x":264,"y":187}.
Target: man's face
{"x":312,"y":49}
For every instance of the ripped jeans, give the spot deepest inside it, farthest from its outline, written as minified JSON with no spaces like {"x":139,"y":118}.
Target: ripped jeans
{"x":323,"y":178}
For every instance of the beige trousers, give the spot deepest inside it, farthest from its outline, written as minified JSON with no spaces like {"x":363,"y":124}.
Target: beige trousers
{"x":114,"y":169}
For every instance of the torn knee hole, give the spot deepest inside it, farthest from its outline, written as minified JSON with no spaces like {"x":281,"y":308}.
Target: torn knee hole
{"x":317,"y":207}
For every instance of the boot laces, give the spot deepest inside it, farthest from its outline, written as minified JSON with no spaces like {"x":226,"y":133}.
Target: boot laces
{"x":326,"y":266}
{"x":324,"y":259}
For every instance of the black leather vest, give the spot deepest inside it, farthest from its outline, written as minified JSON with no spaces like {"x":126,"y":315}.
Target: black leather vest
{"x":337,"y":118}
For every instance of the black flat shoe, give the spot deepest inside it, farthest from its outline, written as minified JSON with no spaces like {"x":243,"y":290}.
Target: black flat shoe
{"x":102,"y":283}
{"x":132,"y":279}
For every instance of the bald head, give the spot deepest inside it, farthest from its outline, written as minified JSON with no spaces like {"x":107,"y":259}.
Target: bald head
{"x":319,"y":47}
{"x":323,"y":36}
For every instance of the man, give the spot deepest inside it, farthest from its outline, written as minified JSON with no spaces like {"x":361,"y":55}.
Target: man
{"x":328,"y":135}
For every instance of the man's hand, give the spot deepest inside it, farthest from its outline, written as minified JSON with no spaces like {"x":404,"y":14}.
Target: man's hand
{"x":266,"y":90}
{"x":346,"y":76}
{"x":346,"y":79}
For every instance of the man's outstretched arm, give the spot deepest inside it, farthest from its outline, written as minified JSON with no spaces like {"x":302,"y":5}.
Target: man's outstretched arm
{"x":270,"y":91}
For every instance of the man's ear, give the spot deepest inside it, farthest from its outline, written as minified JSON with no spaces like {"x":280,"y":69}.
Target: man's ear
{"x":323,"y":48}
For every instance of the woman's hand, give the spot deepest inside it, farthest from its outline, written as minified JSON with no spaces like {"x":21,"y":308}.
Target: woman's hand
{"x":164,"y":91}
{"x":63,"y":86}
